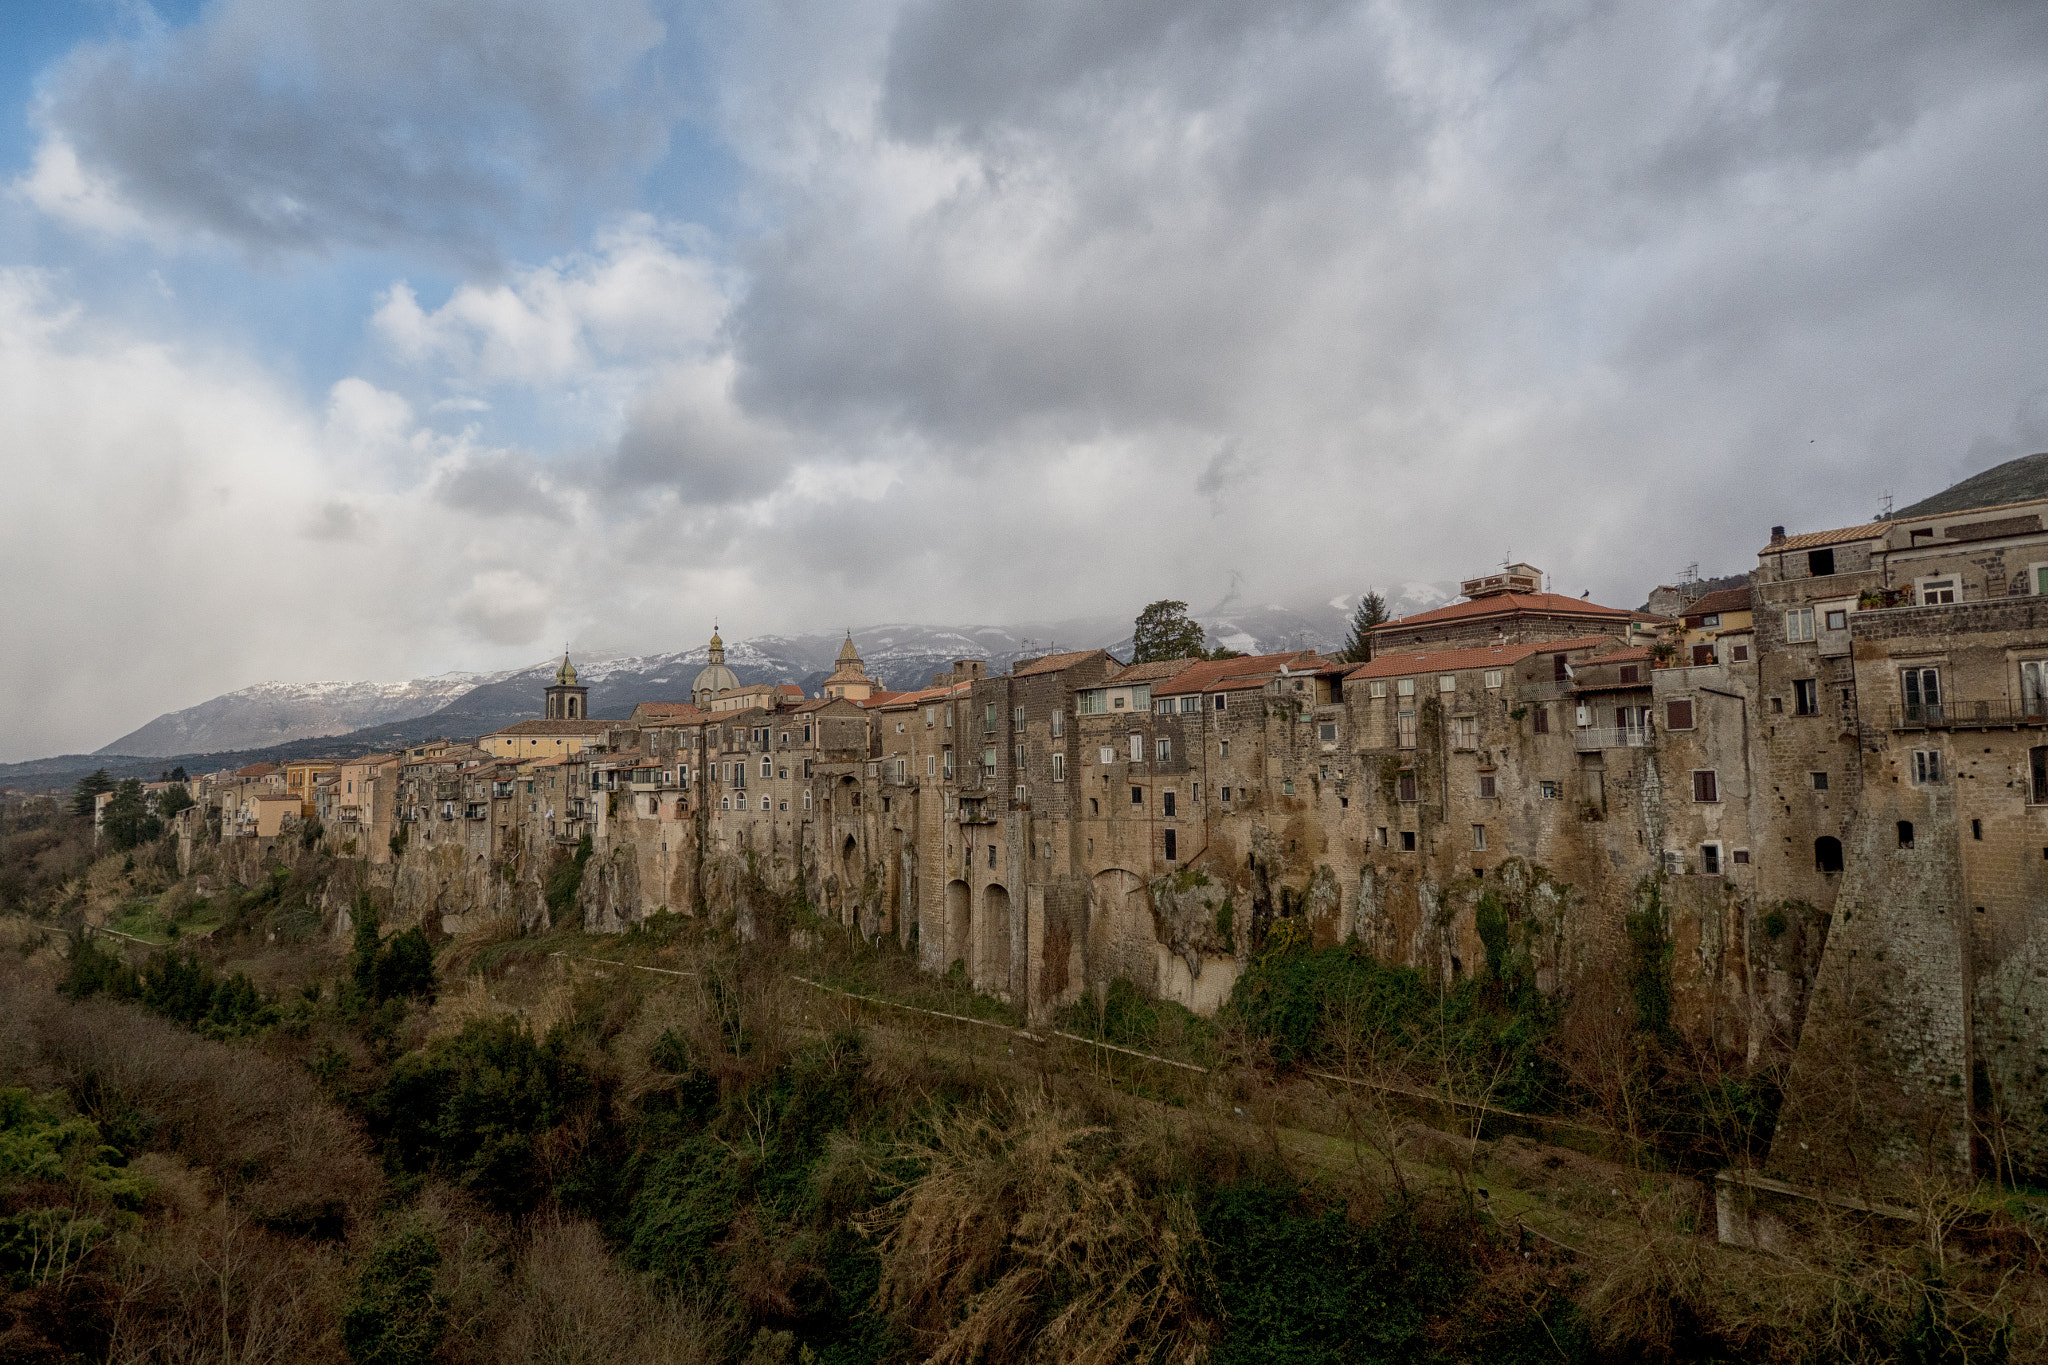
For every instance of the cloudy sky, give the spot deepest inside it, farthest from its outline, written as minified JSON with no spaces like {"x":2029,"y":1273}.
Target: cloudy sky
{"x":374,"y":338}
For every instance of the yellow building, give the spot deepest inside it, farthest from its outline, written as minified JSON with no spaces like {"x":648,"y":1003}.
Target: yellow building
{"x":1716,"y":629}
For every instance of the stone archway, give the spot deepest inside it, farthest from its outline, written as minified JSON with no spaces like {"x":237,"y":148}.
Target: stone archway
{"x":957,"y":924}
{"x":989,"y":968}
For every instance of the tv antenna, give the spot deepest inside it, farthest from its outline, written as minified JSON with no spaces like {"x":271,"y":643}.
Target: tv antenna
{"x":1886,"y":514}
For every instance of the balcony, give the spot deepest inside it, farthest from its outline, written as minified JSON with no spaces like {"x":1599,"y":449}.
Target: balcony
{"x":2004,"y":714}
{"x":1592,"y":738}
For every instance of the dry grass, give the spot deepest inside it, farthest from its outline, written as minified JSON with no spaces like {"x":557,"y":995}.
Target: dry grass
{"x":1025,"y":1239}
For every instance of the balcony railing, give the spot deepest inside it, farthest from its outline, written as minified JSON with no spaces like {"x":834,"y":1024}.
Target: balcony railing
{"x":2004,"y":713}
{"x":1592,"y":737}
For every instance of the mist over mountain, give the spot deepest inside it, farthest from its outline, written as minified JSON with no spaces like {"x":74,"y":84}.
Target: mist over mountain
{"x":359,"y":715}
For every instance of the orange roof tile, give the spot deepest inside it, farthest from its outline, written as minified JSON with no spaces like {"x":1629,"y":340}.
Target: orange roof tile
{"x":1209,"y":673}
{"x":1504,"y":604}
{"x":1053,"y":663}
{"x":1399,"y":663}
{"x":1841,"y":535}
{"x":1728,"y":599}
{"x":1157,"y":668}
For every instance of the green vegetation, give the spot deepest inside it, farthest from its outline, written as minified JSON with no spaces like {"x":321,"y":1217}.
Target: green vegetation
{"x":395,"y":1316}
{"x":1163,"y":631}
{"x":565,"y":878}
{"x":1371,"y":611}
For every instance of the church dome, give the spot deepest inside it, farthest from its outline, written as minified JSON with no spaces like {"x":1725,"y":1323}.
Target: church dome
{"x":715,"y":677}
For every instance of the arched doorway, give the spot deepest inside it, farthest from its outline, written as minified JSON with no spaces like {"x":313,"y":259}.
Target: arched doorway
{"x":956,"y":926}
{"x":1827,"y":853}
{"x":990,"y":967}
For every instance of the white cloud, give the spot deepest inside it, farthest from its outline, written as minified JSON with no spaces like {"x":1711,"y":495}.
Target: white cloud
{"x":58,"y":185}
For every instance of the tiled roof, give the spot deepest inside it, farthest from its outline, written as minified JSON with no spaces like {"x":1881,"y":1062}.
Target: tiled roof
{"x":1841,"y":535}
{"x":556,"y":727}
{"x":1157,"y":668}
{"x":1053,"y":663}
{"x":256,"y":770}
{"x":1504,"y":604}
{"x":1399,"y":663}
{"x":1728,"y":599}
{"x":1208,"y":674}
{"x":673,"y":711}
{"x":874,"y":699}
{"x":789,"y":689}
{"x":1635,"y":655}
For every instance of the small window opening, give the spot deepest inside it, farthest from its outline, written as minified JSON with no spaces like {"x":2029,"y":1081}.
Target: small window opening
{"x":1905,"y":834}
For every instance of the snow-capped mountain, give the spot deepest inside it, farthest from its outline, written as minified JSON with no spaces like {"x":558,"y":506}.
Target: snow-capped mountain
{"x":899,"y":655}
{"x":279,"y":712}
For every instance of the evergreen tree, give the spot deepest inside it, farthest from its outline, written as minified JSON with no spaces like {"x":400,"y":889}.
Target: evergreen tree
{"x":128,"y":820}
{"x":89,"y":787}
{"x":1372,"y":611}
{"x":1163,"y":631}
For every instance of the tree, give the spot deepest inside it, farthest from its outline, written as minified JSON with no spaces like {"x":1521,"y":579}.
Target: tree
{"x":395,"y":1317}
{"x":171,"y":800}
{"x":1163,"y":631}
{"x":178,"y":774}
{"x":128,"y":820}
{"x":1372,"y":611}
{"x":88,"y":788}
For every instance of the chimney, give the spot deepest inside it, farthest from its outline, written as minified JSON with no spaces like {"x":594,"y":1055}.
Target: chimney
{"x":1777,"y":534}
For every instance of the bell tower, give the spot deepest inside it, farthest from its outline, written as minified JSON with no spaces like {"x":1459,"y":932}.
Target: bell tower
{"x":568,"y":699}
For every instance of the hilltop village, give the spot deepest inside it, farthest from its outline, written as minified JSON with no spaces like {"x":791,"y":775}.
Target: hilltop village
{"x":1823,"y":794}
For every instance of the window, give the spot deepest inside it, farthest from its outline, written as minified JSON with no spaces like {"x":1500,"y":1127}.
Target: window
{"x":1702,"y":655}
{"x":1838,"y":619}
{"x":1705,"y":785}
{"x":1225,"y":749}
{"x":1479,"y":838}
{"x":1107,"y":755}
{"x":1094,"y":806}
{"x":1407,"y":841}
{"x":1222,"y":702}
{"x":1542,"y":720}
{"x":1137,"y":796}
{"x":1188,"y":705}
{"x":1017,"y":716}
{"x":1820,"y":781}
{"x":946,"y":764}
{"x":1137,"y":748}
{"x":1741,"y":858}
{"x":1937,"y":592}
{"x":1820,"y":563}
{"x":1710,"y":621}
{"x":1088,"y":703}
{"x":765,"y":804}
{"x":767,"y":766}
{"x":1059,"y":724}
{"x":1164,"y":706}
{"x":1926,"y":766}
{"x":988,"y":718}
{"x":1379,"y":688}
{"x":1226,"y":796}
{"x":1493,"y":678}
{"x":1827,"y":853}
{"x":1464,"y":732}
{"x":1023,"y":795}
{"x":1905,"y":834}
{"x":1172,"y":851}
{"x":1678,"y":714}
{"x":807,"y":800}
{"x":1710,"y":859}
{"x":931,"y":716}
{"x":1404,"y":730}
{"x":1738,"y":654}
{"x":1631,"y":673}
{"x":1383,"y":836}
{"x":1326,"y":732}
{"x":902,"y":766}
{"x":1447,"y":682}
{"x":1977,"y":830}
{"x":1194,"y":791}
{"x":1551,"y":791}
{"x":991,"y":855}
{"x":1404,"y":787}
{"x":988,"y":762}
{"x":1799,"y":624}
{"x":1921,"y":688}
{"x":1560,"y":668}
{"x":1287,"y":787}
{"x":2038,"y":767}
{"x":1019,"y":757}
{"x":1486,"y":788}
{"x":1166,"y":803}
{"x":899,"y":727}
{"x":1162,"y":749}
{"x":931,"y":765}
{"x":1059,"y":767}
{"x":1805,"y":697}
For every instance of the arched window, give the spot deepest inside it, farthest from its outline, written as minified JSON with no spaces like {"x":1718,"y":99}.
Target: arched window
{"x":1827,"y":853}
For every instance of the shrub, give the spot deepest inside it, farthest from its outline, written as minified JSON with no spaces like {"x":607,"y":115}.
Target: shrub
{"x":395,"y":1316}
